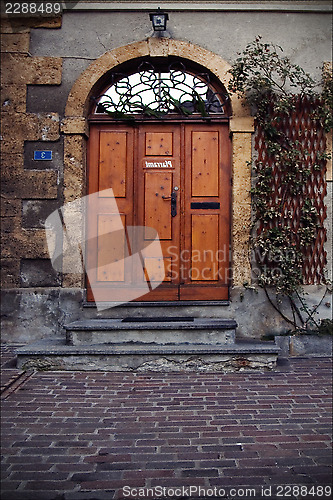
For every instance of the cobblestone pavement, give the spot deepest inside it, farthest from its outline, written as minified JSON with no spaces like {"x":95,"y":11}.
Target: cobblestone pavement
{"x":98,"y":435}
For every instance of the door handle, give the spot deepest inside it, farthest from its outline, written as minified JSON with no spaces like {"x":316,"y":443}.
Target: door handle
{"x":173,"y":199}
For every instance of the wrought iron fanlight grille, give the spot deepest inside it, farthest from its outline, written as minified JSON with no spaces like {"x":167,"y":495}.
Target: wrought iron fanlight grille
{"x":159,"y":92}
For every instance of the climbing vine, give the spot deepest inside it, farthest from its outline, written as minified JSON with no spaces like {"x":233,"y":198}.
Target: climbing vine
{"x":283,"y":230}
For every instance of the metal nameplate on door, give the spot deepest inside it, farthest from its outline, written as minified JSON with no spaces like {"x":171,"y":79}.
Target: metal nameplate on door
{"x":159,"y":163}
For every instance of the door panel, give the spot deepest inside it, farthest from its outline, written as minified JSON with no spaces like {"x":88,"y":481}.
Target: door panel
{"x":205,"y":163}
{"x":157,"y":206}
{"x":174,"y":178}
{"x":107,"y":245}
{"x":205,"y":244}
{"x":113,"y":162}
{"x":155,"y":266}
{"x":159,"y":143}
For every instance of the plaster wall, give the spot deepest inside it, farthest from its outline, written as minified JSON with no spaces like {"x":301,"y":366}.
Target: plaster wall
{"x":84,"y":36}
{"x":36,"y":313}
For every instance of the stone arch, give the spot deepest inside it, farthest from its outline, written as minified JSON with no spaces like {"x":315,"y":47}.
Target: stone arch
{"x":78,"y":99}
{"x":75,"y":129}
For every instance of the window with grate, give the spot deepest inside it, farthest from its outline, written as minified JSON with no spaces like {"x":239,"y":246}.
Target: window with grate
{"x":160,"y":90}
{"x":302,"y":126}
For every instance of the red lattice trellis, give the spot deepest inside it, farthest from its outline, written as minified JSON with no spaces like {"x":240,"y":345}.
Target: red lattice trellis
{"x":301,"y":126}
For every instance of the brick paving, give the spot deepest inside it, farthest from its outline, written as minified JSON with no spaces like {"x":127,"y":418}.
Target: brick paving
{"x":7,"y":362}
{"x":105,"y":436}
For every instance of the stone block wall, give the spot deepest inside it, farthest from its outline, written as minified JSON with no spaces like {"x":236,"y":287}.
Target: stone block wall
{"x":30,"y":189}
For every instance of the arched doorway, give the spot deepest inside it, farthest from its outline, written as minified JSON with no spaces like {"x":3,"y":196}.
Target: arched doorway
{"x":159,"y":138}
{"x":181,"y":133}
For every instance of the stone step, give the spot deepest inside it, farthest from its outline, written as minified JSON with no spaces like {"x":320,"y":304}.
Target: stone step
{"x":204,"y":309}
{"x":152,"y":330}
{"x":55,"y":354}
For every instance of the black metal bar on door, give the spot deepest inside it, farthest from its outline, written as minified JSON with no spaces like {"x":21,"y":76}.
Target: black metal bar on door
{"x":205,"y":205}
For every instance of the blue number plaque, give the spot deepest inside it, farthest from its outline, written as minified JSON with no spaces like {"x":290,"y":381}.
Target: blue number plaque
{"x":42,"y":155}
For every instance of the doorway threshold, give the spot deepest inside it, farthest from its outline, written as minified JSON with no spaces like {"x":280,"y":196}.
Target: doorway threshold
{"x":171,"y":303}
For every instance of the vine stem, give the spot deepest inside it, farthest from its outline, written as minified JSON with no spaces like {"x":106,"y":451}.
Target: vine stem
{"x":309,"y":313}
{"x":293,"y":311}
{"x":277,"y":309}
{"x":298,"y":312}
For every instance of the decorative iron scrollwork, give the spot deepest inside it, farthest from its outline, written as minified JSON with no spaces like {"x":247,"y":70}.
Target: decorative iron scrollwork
{"x":157,"y":93}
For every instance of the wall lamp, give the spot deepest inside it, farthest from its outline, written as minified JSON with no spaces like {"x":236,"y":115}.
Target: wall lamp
{"x":159,"y":20}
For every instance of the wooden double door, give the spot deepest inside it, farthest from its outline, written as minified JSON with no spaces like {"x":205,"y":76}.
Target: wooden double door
{"x":174,"y":178}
